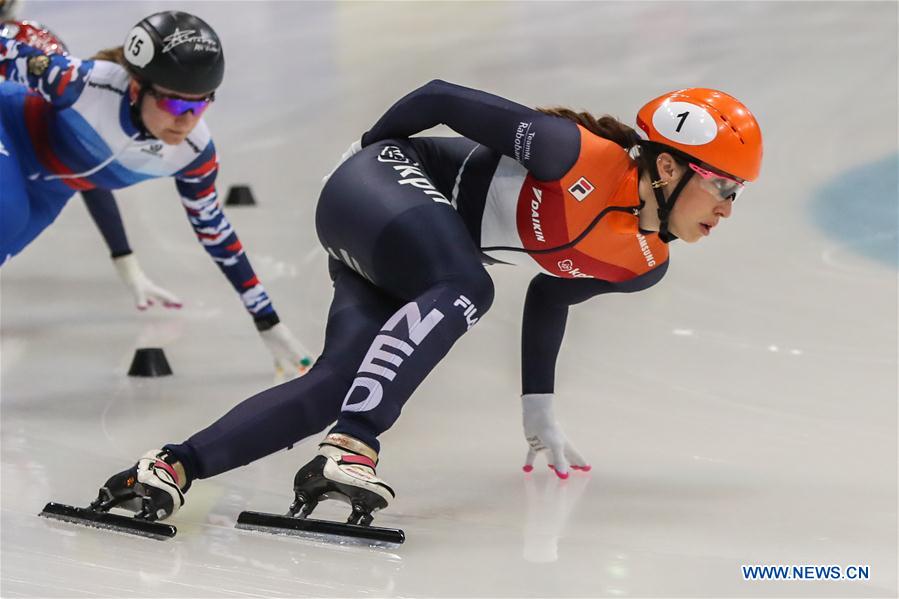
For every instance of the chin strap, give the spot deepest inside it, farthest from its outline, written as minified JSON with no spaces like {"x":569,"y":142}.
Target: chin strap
{"x":665,"y":206}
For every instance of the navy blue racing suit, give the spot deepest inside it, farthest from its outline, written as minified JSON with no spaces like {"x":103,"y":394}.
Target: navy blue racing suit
{"x":403,"y":222}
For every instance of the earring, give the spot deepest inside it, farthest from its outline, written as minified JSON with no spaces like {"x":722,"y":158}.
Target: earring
{"x":659,"y":184}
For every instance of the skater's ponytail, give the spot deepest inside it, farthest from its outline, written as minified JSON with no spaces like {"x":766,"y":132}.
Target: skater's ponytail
{"x":607,"y":127}
{"x":116,"y":55}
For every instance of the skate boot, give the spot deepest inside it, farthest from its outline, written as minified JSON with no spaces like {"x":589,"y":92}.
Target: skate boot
{"x":150,"y":488}
{"x":344,"y":469}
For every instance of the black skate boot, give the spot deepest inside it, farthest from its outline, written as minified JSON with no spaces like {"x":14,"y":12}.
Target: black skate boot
{"x":149,"y":488}
{"x":344,"y":469}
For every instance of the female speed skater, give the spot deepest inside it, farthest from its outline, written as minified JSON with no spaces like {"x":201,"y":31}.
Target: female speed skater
{"x":100,"y":203}
{"x":409,"y":222}
{"x":68,"y":125}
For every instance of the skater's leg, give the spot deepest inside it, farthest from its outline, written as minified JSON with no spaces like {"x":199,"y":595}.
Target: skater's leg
{"x":412,"y":244}
{"x":14,"y":205}
{"x":281,"y":416}
{"x":26,"y":208}
{"x":406,"y":237}
{"x":408,"y":346}
{"x":413,"y":248}
{"x":403,"y":352}
{"x":43,"y":208}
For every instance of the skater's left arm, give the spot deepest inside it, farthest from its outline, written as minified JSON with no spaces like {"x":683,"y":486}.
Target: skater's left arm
{"x":548,"y":146}
{"x":58,"y":78}
{"x":196,"y":186}
{"x":543,"y":328}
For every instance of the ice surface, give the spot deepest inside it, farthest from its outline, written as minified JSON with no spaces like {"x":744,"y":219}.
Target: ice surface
{"x":741,"y":412}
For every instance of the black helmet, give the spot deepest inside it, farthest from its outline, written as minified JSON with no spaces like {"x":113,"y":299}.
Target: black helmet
{"x":176,"y":50}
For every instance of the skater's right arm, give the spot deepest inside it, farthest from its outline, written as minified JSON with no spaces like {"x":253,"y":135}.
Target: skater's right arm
{"x":101,"y":205}
{"x":104,"y":211}
{"x":543,"y":327}
{"x":59,"y":79}
{"x":546,"y":314}
{"x":548,"y":146}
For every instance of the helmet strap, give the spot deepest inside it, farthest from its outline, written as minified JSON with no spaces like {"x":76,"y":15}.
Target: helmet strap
{"x":665,"y":206}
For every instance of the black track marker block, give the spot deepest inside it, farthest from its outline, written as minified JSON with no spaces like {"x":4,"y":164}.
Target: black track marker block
{"x":240,"y":195}
{"x":149,"y":361}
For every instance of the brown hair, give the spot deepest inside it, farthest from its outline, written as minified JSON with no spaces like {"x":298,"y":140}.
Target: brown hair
{"x":116,"y":55}
{"x":608,"y":127}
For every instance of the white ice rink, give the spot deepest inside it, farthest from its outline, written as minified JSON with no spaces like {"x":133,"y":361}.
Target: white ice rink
{"x":744,"y":411}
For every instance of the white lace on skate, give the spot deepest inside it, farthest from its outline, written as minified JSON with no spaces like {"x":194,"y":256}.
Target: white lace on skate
{"x":153,"y":471}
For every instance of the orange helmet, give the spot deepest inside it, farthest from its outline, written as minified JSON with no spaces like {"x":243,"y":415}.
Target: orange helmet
{"x":709,"y":125}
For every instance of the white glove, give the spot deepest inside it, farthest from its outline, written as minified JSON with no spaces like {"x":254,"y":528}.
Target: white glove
{"x":354,"y":148}
{"x":291,"y":358}
{"x":543,"y":432}
{"x":142,"y":288}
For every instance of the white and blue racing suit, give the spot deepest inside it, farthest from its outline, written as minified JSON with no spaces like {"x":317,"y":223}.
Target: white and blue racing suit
{"x":70,"y":128}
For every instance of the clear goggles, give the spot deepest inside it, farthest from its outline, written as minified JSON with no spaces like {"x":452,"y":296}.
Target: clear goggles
{"x":176,"y":105}
{"x":724,"y":186}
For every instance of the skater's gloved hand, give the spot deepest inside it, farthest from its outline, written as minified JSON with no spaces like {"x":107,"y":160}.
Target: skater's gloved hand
{"x":350,"y":152}
{"x":145,"y":291}
{"x":543,"y":434}
{"x":291,"y":358}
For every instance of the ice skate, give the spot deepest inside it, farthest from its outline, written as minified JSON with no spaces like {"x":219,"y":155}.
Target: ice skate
{"x":150,"y":489}
{"x":344,"y":469}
